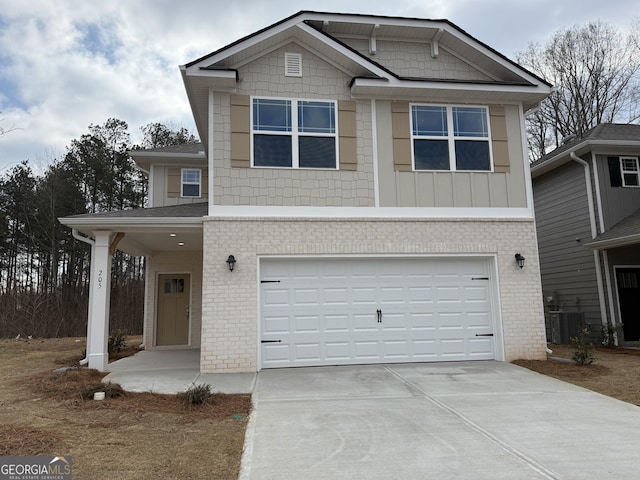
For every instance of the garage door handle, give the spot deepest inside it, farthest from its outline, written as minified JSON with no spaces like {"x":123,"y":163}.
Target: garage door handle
{"x":484,"y":334}
{"x":271,"y":341}
{"x":379,"y":312}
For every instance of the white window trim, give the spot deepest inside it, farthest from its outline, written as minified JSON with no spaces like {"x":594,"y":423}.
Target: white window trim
{"x":450,"y":136}
{"x":624,"y":172}
{"x":294,"y":134}
{"x":183,"y":183}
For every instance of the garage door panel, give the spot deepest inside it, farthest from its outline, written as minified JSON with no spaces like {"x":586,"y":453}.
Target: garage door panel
{"x":337,"y":351}
{"x":276,"y":325}
{"x":324,"y":312}
{"x":306,"y":324}
{"x":364,"y":296}
{"x":336,"y":324}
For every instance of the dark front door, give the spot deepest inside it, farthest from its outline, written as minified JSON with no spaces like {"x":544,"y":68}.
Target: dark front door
{"x":629,"y":297}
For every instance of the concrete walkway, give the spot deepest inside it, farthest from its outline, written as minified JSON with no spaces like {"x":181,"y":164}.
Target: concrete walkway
{"x":173,"y":371}
{"x":480,"y":420}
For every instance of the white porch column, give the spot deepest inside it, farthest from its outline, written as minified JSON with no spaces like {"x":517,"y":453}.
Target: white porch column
{"x":100,"y":289}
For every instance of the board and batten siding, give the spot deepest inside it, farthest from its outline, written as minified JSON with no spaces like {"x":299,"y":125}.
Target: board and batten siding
{"x":563,"y":226}
{"x":617,"y":202}
{"x":402,"y":187}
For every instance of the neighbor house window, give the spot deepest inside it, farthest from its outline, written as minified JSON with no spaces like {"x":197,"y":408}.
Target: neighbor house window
{"x":630,"y":171}
{"x":294,"y":133}
{"x":450,"y":138}
{"x":190,"y":182}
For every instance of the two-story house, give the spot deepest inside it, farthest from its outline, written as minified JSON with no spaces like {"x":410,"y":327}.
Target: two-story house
{"x":587,"y":201}
{"x":360,"y":196}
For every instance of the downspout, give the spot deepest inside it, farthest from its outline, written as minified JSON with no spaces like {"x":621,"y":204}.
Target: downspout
{"x":594,"y":233}
{"x":87,"y":240}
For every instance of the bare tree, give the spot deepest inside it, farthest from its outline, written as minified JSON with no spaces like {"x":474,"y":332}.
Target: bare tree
{"x":595,"y":70}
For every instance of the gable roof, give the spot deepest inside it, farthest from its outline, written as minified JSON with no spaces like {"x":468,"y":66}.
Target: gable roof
{"x":321,"y":32}
{"x":606,"y":137}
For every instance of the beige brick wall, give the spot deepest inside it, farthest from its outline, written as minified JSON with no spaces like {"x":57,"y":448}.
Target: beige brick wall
{"x":230,"y":299}
{"x":174,"y":262}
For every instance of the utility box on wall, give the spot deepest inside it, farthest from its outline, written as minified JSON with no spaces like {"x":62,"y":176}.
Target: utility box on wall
{"x":565,"y":326}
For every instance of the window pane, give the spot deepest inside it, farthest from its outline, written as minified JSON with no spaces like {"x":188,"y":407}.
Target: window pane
{"x":316,"y":117}
{"x":431,"y":154}
{"x":274,"y":115}
{"x":190,"y":190}
{"x":429,"y":121}
{"x":631,"y":179}
{"x":272,"y":150}
{"x":629,"y":164}
{"x":191,"y":176}
{"x":317,"y":152}
{"x":472,"y":155}
{"x":470,"y":122}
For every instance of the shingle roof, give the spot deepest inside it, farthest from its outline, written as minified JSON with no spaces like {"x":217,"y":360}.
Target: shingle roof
{"x":603,"y":132}
{"x":625,"y":232}
{"x":174,"y":211}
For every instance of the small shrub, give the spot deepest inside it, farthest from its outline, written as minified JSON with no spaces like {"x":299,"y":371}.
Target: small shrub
{"x":583,"y":348}
{"x":196,"y":394}
{"x":117,"y":341}
{"x":608,"y":334}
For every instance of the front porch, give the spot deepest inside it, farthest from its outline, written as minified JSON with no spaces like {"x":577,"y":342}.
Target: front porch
{"x":171,"y":240}
{"x":173,"y":371}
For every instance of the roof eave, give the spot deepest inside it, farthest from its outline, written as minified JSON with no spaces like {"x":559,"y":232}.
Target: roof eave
{"x":579,"y":149}
{"x":124,"y":223}
{"x":450,"y":91}
{"x":614,"y":242}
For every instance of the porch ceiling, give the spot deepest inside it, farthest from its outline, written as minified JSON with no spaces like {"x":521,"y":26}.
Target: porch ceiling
{"x":147,"y":230}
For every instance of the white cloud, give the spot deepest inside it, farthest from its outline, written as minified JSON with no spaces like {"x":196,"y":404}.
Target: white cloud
{"x":71,"y":63}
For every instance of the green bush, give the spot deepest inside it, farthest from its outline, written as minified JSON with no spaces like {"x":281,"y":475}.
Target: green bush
{"x":117,"y":341}
{"x":583,"y":348}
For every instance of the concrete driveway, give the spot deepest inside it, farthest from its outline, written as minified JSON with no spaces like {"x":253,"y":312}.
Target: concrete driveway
{"x":471,"y":420}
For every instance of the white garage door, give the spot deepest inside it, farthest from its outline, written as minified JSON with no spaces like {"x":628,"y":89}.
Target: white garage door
{"x":383,"y":310}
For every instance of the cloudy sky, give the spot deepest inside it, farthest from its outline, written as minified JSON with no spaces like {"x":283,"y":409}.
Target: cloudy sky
{"x":70,"y":63}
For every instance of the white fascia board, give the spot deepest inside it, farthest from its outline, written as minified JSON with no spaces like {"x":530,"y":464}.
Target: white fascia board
{"x":614,"y":242}
{"x":115,"y":223}
{"x":344,"y":51}
{"x":542,"y":91}
{"x":239,"y":47}
{"x":229,"y":75}
{"x":425,"y":213}
{"x":167,"y":155}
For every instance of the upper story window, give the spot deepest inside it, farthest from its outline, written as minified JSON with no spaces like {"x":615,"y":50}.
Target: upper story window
{"x":294,"y":133}
{"x":190,"y":184}
{"x":450,"y":138}
{"x":630,"y":171}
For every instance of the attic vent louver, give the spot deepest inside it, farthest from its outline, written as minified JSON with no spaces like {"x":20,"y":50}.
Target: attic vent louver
{"x":292,"y":65}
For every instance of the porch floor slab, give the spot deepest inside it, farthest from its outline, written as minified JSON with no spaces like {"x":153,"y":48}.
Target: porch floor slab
{"x":173,"y":371}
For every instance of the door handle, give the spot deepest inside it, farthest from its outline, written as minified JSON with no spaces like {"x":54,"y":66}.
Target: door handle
{"x":379,"y":312}
{"x":187,"y":311}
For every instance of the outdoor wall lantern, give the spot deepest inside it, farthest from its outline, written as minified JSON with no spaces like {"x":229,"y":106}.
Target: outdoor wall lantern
{"x":231,"y":261}
{"x":519,"y":260}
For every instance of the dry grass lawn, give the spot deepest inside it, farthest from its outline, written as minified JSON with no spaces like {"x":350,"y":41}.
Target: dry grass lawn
{"x":141,"y":436}
{"x":615,"y":371}
{"x":126,"y":436}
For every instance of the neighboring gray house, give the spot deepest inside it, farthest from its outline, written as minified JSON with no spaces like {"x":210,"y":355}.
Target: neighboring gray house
{"x":365,"y":177}
{"x":587,"y":202}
